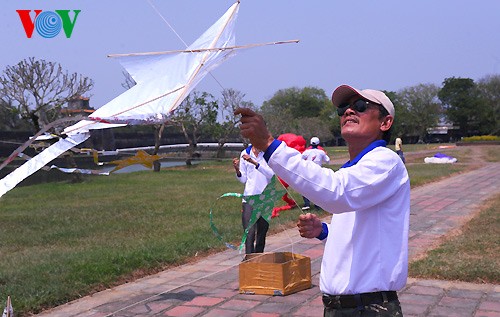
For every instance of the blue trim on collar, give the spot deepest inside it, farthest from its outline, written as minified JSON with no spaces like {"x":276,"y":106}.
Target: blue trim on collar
{"x":367,"y":149}
{"x":270,"y":149}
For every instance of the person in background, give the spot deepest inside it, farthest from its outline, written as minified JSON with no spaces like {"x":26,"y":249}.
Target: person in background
{"x":398,"y":146}
{"x":253,"y":171}
{"x":365,"y":258}
{"x":317,"y":156}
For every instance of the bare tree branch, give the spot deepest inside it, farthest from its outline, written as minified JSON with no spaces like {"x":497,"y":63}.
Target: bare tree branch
{"x":39,"y":89}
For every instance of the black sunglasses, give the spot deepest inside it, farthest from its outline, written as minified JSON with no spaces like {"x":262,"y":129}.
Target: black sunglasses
{"x":359,"y":105}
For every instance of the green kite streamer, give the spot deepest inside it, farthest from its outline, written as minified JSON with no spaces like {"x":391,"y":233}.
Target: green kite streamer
{"x":214,"y":228}
{"x":262,"y":205}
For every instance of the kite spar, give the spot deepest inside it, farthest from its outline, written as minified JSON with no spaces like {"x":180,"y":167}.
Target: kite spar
{"x":163,"y":80}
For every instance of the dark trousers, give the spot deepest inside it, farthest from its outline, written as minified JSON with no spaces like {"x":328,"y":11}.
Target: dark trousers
{"x":307,"y":203}
{"x":401,"y":155}
{"x":382,"y":308}
{"x":256,"y":238}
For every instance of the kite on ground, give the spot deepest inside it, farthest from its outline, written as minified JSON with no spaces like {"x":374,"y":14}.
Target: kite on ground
{"x":440,"y":158}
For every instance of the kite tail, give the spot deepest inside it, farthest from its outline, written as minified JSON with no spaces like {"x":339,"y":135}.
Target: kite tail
{"x":214,"y":228}
{"x":19,"y":174}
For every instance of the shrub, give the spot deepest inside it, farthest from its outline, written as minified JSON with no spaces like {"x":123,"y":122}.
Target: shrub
{"x":481,"y":138}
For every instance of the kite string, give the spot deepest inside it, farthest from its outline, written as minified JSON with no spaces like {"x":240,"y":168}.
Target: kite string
{"x":179,"y":37}
{"x":283,"y":226}
{"x":165,"y":20}
{"x":222,"y":87}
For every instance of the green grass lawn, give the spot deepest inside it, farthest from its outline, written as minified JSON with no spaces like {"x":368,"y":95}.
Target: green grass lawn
{"x":61,"y":241}
{"x":470,"y":255}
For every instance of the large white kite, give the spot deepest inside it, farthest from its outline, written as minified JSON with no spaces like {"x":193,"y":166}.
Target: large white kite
{"x":163,"y":80}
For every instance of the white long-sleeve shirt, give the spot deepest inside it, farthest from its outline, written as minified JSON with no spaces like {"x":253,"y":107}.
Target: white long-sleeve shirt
{"x":367,"y":245}
{"x":316,"y":155}
{"x":254,"y":178}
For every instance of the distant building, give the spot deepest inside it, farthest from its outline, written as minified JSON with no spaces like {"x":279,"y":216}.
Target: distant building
{"x":100,"y":139}
{"x":78,"y":106}
{"x":444,"y":132}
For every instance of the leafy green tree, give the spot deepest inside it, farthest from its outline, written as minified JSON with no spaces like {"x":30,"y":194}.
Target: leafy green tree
{"x":309,"y":127}
{"x":228,"y":122}
{"x":489,"y":88}
{"x":419,"y":109}
{"x":307,"y":111}
{"x":400,"y":127}
{"x":39,"y":89}
{"x":464,"y":105}
{"x":196,"y":114}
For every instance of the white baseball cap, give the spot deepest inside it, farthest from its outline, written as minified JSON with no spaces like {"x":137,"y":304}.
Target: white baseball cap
{"x":343,"y":93}
{"x":314,"y":141}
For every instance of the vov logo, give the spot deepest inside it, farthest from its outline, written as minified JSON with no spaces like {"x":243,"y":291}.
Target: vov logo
{"x":48,"y":24}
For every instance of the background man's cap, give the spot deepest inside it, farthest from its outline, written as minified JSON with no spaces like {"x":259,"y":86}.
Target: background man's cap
{"x":314,"y":141}
{"x":343,"y":93}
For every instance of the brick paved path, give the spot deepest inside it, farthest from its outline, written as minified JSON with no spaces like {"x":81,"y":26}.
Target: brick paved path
{"x":210,"y":287}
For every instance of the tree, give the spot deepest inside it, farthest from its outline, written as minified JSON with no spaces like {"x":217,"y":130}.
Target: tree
{"x":400,"y":126}
{"x":9,"y":116}
{"x":196,"y":113}
{"x":221,"y":131}
{"x":418,"y":108}
{"x":489,"y":88}
{"x":157,"y":128}
{"x":39,"y":89}
{"x":317,"y":127}
{"x":465,"y":106}
{"x":307,"y":111}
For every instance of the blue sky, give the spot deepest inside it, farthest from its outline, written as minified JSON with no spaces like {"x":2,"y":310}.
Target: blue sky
{"x":384,"y":44}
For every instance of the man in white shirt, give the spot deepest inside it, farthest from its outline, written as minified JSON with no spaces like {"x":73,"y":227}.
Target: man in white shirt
{"x":365,"y":260}
{"x":253,"y":171}
{"x":317,"y":156}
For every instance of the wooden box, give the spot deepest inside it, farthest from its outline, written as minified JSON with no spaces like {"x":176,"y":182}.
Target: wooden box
{"x":274,"y":273}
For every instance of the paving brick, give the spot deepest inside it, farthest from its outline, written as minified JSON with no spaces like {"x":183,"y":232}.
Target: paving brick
{"x":424,"y":290}
{"x":156,"y":307}
{"x":492,"y":306}
{"x":313,"y":253}
{"x":238,"y":304}
{"x":292,"y":298}
{"x":309,"y":311}
{"x":413,"y":309}
{"x":443,"y":311}
{"x":184,"y":311}
{"x":482,"y":313}
{"x":222,"y":292}
{"x":221,"y":313}
{"x":459,"y":303}
{"x":281,"y":308}
{"x":97,"y":314}
{"x":494,"y":296}
{"x":425,"y":300}
{"x":259,"y":314}
{"x":205,"y":301}
{"x":464,"y":293}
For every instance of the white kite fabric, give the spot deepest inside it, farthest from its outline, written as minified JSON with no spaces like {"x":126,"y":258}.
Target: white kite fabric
{"x":10,"y":181}
{"x":162,"y":82}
